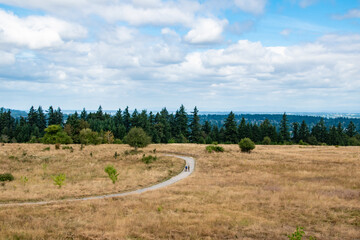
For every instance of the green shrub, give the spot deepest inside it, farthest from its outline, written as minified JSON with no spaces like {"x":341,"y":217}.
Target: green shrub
{"x":137,"y":138}
{"x":301,"y":142}
{"x":118,"y":141}
{"x":246,"y":145}
{"x":112,"y":173}
{"x":55,"y":134}
{"x":6,"y":177}
{"x":266,"y":141}
{"x":46,"y":149}
{"x":298,"y":234}
{"x":215,"y":148}
{"x":353,"y":141}
{"x":148,"y":159}
{"x":59,"y":179}
{"x":87,"y":136}
{"x":116,"y":155}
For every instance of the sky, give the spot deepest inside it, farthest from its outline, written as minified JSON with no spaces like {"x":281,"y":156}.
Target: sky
{"x":240,"y":55}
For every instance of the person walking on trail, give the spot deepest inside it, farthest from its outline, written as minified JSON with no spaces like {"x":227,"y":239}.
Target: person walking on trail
{"x":189,"y":168}
{"x":186,"y":167}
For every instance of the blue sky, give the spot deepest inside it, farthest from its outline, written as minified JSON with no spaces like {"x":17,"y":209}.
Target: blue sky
{"x":256,"y":56}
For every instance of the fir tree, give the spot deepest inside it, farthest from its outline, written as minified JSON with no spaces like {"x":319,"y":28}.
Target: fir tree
{"x":230,"y":131}
{"x":195,"y":127}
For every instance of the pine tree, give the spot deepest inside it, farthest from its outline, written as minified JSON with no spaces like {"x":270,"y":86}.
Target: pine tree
{"x":59,"y":117}
{"x":51,"y":116}
{"x":242,"y":129}
{"x":181,"y":123}
{"x":319,"y":131}
{"x":351,"y":129}
{"x":99,"y":114}
{"x":83,"y":115}
{"x":295,"y":132}
{"x":284,"y":128}
{"x":32,"y":118}
{"x":127,"y":119}
{"x":41,"y":121}
{"x":303,"y":132}
{"x":230,"y":133}
{"x":195,"y":127}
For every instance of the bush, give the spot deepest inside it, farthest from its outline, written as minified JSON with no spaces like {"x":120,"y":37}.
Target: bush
{"x":118,"y":141}
{"x":301,"y":142}
{"x":87,"y":136}
{"x":215,"y":148}
{"x":6,"y":177}
{"x":148,"y":159}
{"x":353,"y":141}
{"x":59,"y":179}
{"x":266,"y":141}
{"x":246,"y":145}
{"x":137,"y":138}
{"x":298,"y":234}
{"x":55,"y":134}
{"x":57,"y":146}
{"x":111,"y":171}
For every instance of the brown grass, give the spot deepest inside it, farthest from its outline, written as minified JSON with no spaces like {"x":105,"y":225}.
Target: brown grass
{"x":84,"y":170}
{"x":231,"y":195}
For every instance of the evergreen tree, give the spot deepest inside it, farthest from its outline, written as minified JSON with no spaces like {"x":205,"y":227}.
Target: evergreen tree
{"x":144,"y":122}
{"x":118,"y":118}
{"x":295,"y":132}
{"x":334,"y":138}
{"x":304,"y":132}
{"x":195,"y":127}
{"x":164,"y":121}
{"x":99,"y":114}
{"x":41,"y":121}
{"x":230,"y":133}
{"x":284,"y":129}
{"x":351,"y":129}
{"x":59,"y":117}
{"x":32,"y":118}
{"x":181,"y":123}
{"x":127,"y":119}
{"x":319,"y":131}
{"x":340,"y":132}
{"x":206,"y":128}
{"x":51,"y":116}
{"x":215,"y":134}
{"x":83,"y":115}
{"x":242,"y":129}
{"x":135,"y":119}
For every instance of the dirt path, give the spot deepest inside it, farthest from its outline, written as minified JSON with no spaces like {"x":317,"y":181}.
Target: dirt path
{"x":189,"y":162}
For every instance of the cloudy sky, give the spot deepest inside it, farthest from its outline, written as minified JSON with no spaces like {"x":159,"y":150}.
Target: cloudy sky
{"x":241,"y":55}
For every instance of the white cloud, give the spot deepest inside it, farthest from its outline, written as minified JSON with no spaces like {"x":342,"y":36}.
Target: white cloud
{"x":285,"y":32}
{"x":205,"y":31}
{"x":254,"y":6}
{"x":6,"y":58}
{"x":307,"y":3}
{"x":353,"y":13}
{"x":37,"y":31}
{"x":135,"y":12}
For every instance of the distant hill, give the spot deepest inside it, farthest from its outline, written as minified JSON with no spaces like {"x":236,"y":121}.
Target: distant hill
{"x":275,"y":119}
{"x":16,"y":113}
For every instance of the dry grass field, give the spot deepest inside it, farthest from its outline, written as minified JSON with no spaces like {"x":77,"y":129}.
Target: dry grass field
{"x":84,"y":170}
{"x":231,"y":195}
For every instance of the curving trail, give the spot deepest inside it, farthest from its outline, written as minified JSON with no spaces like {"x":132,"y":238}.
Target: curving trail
{"x":189,"y":162}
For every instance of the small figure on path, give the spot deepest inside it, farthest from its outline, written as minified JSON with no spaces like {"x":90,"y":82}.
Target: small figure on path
{"x":186,"y":167}
{"x":189,"y":168}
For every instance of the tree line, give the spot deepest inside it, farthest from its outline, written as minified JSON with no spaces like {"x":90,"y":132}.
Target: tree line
{"x":164,"y":127}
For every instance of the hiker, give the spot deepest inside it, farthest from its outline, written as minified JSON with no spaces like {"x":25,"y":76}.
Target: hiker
{"x":186,"y":167}
{"x":189,"y":168}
